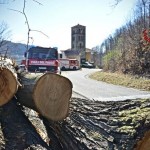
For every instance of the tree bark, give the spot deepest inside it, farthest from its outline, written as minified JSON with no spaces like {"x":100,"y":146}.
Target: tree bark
{"x":8,"y":80}
{"x":121,"y":125}
{"x":49,"y":94}
{"x":96,"y":125}
{"x":17,"y":132}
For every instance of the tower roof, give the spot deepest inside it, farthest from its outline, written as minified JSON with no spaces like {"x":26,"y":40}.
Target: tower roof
{"x":78,"y":25}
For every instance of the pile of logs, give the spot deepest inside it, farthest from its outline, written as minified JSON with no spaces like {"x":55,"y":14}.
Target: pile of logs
{"x":121,"y":125}
{"x":49,"y":93}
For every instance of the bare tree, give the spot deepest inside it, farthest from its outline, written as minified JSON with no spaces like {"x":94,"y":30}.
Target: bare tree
{"x":4,"y":34}
{"x":27,"y":22}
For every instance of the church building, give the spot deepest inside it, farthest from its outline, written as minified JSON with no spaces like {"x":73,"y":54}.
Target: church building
{"x":78,"y":48}
{"x":78,"y":40}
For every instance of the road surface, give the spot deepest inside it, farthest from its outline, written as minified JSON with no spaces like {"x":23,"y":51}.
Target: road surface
{"x":85,"y":87}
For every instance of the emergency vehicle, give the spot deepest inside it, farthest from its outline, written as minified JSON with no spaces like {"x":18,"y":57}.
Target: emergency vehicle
{"x":69,"y":64}
{"x":41,"y":59}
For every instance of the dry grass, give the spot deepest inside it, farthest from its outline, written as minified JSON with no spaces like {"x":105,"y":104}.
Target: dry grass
{"x":121,"y":79}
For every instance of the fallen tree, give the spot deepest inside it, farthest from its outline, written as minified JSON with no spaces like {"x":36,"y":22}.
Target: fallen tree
{"x":48,"y":93}
{"x":105,"y":125}
{"x":90,"y":125}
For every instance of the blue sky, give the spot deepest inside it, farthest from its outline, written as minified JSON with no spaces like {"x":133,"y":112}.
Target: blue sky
{"x":56,"y":17}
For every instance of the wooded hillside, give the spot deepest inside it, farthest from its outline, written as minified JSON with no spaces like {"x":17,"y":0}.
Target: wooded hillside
{"x":127,"y":50}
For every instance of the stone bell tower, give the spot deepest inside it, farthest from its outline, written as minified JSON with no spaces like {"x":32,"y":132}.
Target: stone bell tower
{"x":78,"y":40}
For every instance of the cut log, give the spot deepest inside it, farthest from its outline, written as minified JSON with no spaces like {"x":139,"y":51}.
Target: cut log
{"x":8,"y":81}
{"x":49,"y":94}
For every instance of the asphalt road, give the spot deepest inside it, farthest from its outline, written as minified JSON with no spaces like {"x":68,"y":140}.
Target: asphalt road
{"x":85,"y":87}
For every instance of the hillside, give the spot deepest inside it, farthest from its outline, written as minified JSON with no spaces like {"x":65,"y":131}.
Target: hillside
{"x":14,"y":50}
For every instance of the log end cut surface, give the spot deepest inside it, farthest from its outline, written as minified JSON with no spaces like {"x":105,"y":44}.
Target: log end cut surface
{"x":8,"y":85}
{"x":51,"y":96}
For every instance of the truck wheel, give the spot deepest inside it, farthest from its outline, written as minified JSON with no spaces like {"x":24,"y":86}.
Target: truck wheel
{"x":63,"y":68}
{"x":74,"y":68}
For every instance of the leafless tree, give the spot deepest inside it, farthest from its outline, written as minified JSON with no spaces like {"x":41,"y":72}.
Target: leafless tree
{"x":132,"y":53}
{"x":27,"y":21}
{"x":5,"y":34}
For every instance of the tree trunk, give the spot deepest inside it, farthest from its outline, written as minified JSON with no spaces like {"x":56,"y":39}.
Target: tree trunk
{"x":96,"y":125}
{"x":110,"y":125}
{"x":8,"y":81}
{"x":17,"y":132}
{"x":49,"y":94}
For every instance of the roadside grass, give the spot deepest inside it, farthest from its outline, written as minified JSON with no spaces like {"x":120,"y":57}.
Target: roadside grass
{"x":121,"y":79}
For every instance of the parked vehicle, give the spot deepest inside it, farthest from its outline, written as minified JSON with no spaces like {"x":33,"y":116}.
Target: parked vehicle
{"x":41,"y":59}
{"x":69,"y":64}
{"x":87,"y":65}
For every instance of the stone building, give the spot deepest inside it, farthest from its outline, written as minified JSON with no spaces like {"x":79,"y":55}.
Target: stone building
{"x":88,"y":55}
{"x":78,"y":40}
{"x":78,"y":48}
{"x":71,"y":54}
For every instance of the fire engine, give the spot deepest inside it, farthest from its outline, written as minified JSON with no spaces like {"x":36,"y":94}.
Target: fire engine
{"x":41,"y":59}
{"x":69,"y":64}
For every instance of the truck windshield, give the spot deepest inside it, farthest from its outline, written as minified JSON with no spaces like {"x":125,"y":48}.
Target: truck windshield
{"x":42,"y":53}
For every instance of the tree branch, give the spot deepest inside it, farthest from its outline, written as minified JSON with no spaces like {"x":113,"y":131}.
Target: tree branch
{"x":41,"y":32}
{"x":38,"y":2}
{"x":27,"y":22}
{"x":116,"y":3}
{"x":15,"y":10}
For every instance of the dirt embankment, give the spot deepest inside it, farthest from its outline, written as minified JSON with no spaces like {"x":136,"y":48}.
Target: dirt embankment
{"x":90,"y":125}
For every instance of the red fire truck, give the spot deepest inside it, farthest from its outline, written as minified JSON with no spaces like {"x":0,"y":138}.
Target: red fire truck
{"x":69,"y":64}
{"x":41,"y":59}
